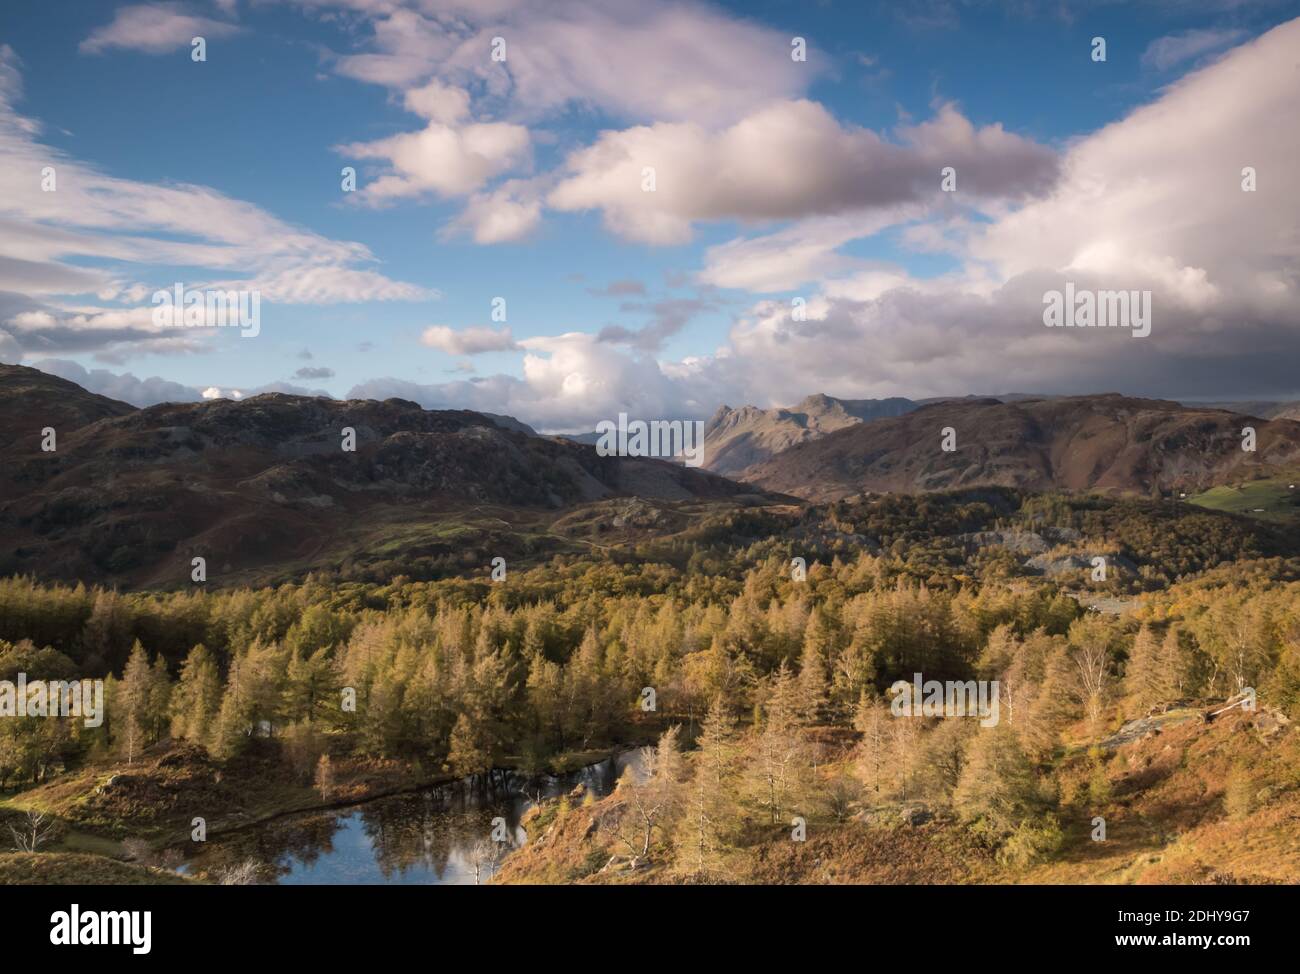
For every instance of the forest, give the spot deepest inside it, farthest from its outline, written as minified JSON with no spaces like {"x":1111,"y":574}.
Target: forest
{"x":768,"y":686}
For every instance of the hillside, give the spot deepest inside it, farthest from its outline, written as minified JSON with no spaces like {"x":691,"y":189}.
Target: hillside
{"x":1170,"y":817}
{"x":1104,"y":442}
{"x":31,"y":400}
{"x":739,"y":438}
{"x":1263,"y":408}
{"x":264,"y":486}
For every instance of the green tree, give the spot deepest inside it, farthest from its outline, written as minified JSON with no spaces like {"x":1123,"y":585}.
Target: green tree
{"x":998,"y":790}
{"x":196,"y":700}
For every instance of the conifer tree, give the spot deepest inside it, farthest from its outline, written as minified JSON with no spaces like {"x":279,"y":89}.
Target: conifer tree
{"x":709,"y":803}
{"x":777,"y":766}
{"x":1146,"y":681}
{"x":998,"y":790}
{"x":196,"y":700}
{"x":133,"y":699}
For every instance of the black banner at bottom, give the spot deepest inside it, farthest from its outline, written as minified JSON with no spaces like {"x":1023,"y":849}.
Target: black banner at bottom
{"x":146,"y":924}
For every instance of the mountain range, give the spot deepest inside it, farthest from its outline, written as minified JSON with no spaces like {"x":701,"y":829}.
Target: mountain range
{"x":132,"y":495}
{"x":1106,"y":442}
{"x":264,"y":488}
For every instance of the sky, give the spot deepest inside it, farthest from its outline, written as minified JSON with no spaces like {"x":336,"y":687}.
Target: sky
{"x":566,"y":210}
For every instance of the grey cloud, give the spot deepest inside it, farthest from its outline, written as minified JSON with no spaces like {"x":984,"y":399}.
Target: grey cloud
{"x":47,"y":277}
{"x":668,"y":317}
{"x":124,"y":387}
{"x":618,"y":289}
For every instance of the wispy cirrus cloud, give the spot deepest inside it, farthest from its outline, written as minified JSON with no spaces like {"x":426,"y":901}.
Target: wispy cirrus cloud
{"x":154,"y":28}
{"x":1165,"y":52}
{"x":627,"y":58}
{"x":70,"y":232}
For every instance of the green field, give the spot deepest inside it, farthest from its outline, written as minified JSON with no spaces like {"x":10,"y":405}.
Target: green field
{"x":1269,"y":500}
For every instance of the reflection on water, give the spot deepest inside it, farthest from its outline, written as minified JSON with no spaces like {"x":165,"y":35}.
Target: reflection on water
{"x":435,"y":836}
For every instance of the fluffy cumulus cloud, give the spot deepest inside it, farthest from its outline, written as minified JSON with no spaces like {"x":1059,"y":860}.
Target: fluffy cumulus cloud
{"x":788,"y":160}
{"x":116,"y":226}
{"x":444,"y":159}
{"x":216,"y":392}
{"x":569,"y":382}
{"x":510,"y":212}
{"x":708,"y":101}
{"x":482,"y":75}
{"x":1151,"y":202}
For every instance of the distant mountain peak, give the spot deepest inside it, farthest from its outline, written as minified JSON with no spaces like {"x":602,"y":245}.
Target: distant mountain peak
{"x":737,"y":438}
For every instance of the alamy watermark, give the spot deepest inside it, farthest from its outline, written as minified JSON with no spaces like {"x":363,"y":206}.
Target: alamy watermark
{"x":951,"y":698}
{"x":211,"y":308}
{"x":657,"y":438}
{"x":1083,"y":308}
{"x":53,"y":698}
{"x":75,"y":927}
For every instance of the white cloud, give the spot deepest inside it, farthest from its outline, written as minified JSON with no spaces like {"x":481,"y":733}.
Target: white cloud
{"x":1152,"y":201}
{"x":805,"y":251}
{"x":216,"y":392}
{"x":113,"y":221}
{"x":449,"y":160}
{"x":468,"y":341}
{"x":629,"y":58}
{"x":154,"y":28}
{"x":438,"y":102}
{"x":569,"y":382}
{"x":1164,"y":52}
{"x":625,"y":59}
{"x":510,"y":212}
{"x":789,"y":160}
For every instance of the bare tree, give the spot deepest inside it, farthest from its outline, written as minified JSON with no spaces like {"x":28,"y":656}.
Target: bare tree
{"x":35,"y":831}
{"x":484,"y":854}
{"x":243,"y":873}
{"x":651,"y":798}
{"x":1092,"y":663}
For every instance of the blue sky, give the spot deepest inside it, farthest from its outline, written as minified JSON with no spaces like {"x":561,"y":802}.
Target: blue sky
{"x":515,"y":179}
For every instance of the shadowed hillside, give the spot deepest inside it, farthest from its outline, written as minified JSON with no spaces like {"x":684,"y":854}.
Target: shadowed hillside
{"x":265,"y":484}
{"x":1106,"y":442}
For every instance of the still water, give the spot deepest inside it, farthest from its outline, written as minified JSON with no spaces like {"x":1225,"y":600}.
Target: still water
{"x":433,"y":836}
